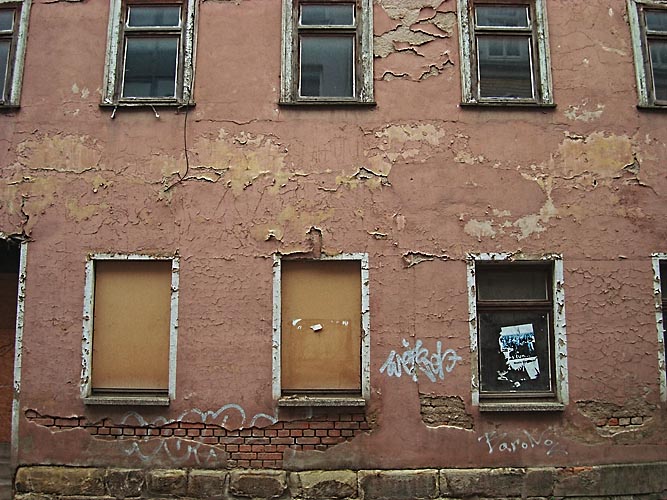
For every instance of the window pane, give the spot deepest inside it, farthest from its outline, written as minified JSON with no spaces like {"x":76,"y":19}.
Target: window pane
{"x":518,"y":283}
{"x":656,"y":20}
{"x":327,"y":66}
{"x":327,"y":15}
{"x":150,"y":67}
{"x":4,"y":65}
{"x":663,"y":280}
{"x":154,"y":16}
{"x":515,"y":352}
{"x":502,"y":16}
{"x":6,"y":20}
{"x":659,"y":67}
{"x":505,"y":66}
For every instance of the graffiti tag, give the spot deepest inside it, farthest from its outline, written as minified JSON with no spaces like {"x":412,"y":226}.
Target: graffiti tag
{"x":508,"y":443}
{"x":418,"y":359}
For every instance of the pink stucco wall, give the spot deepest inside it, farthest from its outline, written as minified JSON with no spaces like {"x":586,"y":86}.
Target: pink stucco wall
{"x":585,"y":180}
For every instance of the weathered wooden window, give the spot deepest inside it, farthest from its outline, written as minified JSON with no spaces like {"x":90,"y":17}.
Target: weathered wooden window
{"x":660,"y":294}
{"x":518,"y":320}
{"x":327,"y":55}
{"x":322,"y":329}
{"x":504,"y":53}
{"x":13,"y":32}
{"x":129,"y":328}
{"x":150,"y":52}
{"x":648,"y":23}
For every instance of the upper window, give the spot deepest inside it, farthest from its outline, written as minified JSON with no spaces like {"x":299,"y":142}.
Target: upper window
{"x":321,"y":342}
{"x":648,"y":24}
{"x":504,"y":53}
{"x":13,"y":33}
{"x":130,"y":321}
{"x":150,"y":54}
{"x":518,"y":333}
{"x":327,"y":52}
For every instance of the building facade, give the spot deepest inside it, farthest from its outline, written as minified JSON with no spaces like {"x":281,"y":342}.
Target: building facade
{"x":333,"y":249}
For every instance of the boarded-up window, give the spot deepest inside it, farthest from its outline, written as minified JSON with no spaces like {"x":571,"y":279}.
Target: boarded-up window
{"x":321,"y":326}
{"x":131,"y":326}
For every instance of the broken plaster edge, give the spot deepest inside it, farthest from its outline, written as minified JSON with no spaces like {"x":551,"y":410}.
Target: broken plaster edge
{"x":18,"y":355}
{"x":656,"y":258}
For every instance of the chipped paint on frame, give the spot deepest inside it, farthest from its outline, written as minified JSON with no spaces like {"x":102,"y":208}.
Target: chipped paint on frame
{"x":87,"y":340}
{"x":18,"y":354}
{"x":656,"y":259}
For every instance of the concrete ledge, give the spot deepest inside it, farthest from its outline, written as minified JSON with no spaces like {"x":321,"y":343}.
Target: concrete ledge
{"x":623,"y":481}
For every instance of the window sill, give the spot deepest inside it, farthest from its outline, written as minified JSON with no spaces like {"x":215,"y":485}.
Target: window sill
{"x":530,"y":406}
{"x":330,"y":401}
{"x":652,"y":107}
{"x":328,"y":102}
{"x":147,"y":104}
{"x":507,"y":104}
{"x":127,"y":400}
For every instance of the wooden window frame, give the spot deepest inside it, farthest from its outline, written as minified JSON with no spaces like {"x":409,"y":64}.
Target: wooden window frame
{"x":553,"y":305}
{"x":640,"y":45}
{"x":323,"y":398}
{"x":17,"y":38}
{"x":363,"y":53}
{"x":659,"y":264}
{"x":540,"y":58}
{"x":150,"y":399}
{"x":119,"y":32}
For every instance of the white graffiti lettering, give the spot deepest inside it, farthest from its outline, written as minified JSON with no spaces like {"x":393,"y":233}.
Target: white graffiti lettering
{"x":508,"y":443}
{"x":179,"y":449}
{"x":418,"y":358}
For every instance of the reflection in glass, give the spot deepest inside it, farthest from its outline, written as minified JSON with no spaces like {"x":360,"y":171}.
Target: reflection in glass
{"x":4,"y":66}
{"x":326,"y":66}
{"x":656,"y":20}
{"x":327,"y":15}
{"x":514,"y":352}
{"x":6,"y":20}
{"x":658,"y":51}
{"x":502,"y":16}
{"x":139,"y":17}
{"x":504,"y":65}
{"x":150,"y":67}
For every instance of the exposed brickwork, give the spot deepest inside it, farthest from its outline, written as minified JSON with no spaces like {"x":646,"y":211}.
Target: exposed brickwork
{"x":251,"y":448}
{"x":444,"y":410}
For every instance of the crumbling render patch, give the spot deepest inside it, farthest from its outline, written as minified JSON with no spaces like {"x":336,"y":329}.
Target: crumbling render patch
{"x":418,"y":37}
{"x":413,"y":258}
{"x":611,"y":419}
{"x":444,"y":410}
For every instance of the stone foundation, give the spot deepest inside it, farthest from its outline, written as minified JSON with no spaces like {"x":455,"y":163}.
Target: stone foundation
{"x":626,"y":481}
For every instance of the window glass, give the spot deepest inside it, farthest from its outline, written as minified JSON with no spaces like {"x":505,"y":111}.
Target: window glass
{"x":512,"y":284}
{"x":327,"y":66}
{"x":656,"y":20}
{"x":663,"y":279}
{"x":502,"y":16}
{"x":505,"y":66}
{"x":154,"y":16}
{"x":514,"y":351}
{"x":6,"y":20}
{"x":4,"y":65}
{"x":327,"y":15}
{"x":150,"y":67}
{"x":658,"y":54}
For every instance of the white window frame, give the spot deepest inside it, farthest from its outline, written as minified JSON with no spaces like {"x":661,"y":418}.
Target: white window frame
{"x":365,"y":339}
{"x":87,"y":342}
{"x":646,"y":96}
{"x":17,"y":59}
{"x":656,"y":259}
{"x":560,"y":339}
{"x":111,"y":95}
{"x":289,"y":76}
{"x":543,"y":85}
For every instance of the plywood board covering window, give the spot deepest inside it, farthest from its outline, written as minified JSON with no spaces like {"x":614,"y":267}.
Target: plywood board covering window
{"x":131,"y":325}
{"x":321,"y":326}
